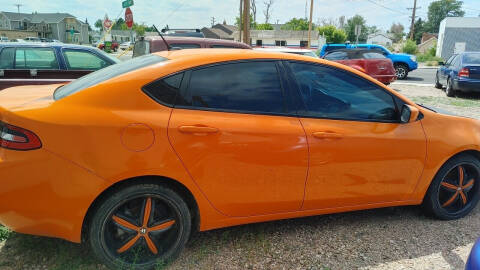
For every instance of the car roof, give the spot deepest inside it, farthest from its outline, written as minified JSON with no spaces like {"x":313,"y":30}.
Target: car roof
{"x":355,"y":50}
{"x":45,"y":45}
{"x":191,"y":39}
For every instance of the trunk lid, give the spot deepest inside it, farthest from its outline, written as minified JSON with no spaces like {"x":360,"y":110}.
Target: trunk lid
{"x":474,"y":71}
{"x":27,"y":97}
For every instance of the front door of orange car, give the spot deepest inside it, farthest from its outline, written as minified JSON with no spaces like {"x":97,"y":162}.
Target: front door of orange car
{"x":359,"y":152}
{"x":232,"y":129}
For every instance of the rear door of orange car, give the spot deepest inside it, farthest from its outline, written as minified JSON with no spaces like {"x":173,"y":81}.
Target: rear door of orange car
{"x":359,"y":151}
{"x":234,"y":130}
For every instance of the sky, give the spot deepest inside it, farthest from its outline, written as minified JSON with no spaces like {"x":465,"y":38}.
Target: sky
{"x":199,"y":13}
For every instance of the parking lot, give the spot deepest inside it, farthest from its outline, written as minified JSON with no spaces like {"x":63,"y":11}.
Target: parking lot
{"x":389,"y":238}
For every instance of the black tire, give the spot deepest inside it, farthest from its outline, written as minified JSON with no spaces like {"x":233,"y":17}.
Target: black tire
{"x":401,"y":70}
{"x":438,"y":85}
{"x":440,"y":201}
{"x":155,"y":212}
{"x":449,"y":90}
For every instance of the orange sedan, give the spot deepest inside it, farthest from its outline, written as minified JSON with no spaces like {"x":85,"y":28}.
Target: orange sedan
{"x":134,"y":157}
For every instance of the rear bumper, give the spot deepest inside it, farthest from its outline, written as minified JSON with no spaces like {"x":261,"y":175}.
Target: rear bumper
{"x":467,"y":85}
{"x":385,"y":78}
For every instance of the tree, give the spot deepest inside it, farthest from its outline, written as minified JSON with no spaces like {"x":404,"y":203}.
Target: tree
{"x":439,"y":10}
{"x":239,"y":23}
{"x":410,"y":47}
{"x":296,"y":24}
{"x":119,"y":24}
{"x":253,"y":10}
{"x":264,"y":26}
{"x":397,"y":31}
{"x":99,"y":24}
{"x":420,"y":28}
{"x":350,"y":28}
{"x":268,"y":10}
{"x":332,"y":34}
{"x":139,"y":29}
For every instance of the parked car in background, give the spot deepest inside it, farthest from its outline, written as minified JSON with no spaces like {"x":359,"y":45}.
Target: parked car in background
{"x":473,"y":262}
{"x":371,"y":62}
{"x":146,"y":45}
{"x":125,"y":45}
{"x":114,"y":47}
{"x":4,"y":39}
{"x":183,"y":33}
{"x":288,"y":50}
{"x":461,"y":73}
{"x":47,"y":63}
{"x":32,"y":39}
{"x":17,"y":40}
{"x":403,"y":63}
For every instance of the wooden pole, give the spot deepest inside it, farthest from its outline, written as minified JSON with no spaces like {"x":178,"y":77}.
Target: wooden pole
{"x":310,"y":25}
{"x":412,"y":27}
{"x":246,"y":22}
{"x":241,"y":22}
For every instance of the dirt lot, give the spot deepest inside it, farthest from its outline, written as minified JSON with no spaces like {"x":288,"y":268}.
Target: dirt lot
{"x":389,"y":238}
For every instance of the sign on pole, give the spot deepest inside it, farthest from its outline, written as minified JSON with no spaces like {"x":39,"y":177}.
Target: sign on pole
{"x":129,"y":18}
{"x":127,"y":3}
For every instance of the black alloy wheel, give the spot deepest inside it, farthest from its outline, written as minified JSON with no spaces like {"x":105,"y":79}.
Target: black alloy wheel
{"x":401,"y":71}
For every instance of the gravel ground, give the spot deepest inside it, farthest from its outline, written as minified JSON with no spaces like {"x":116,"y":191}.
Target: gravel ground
{"x":388,"y":238}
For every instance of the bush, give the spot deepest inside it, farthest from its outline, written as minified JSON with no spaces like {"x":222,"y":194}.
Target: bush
{"x":410,"y":47}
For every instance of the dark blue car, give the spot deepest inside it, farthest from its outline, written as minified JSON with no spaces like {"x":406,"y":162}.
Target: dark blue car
{"x":473,"y":262}
{"x":48,"y":63}
{"x":461,"y":73}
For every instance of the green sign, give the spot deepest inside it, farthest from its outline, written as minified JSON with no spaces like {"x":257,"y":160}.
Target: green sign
{"x":127,"y":3}
{"x":72,"y":32}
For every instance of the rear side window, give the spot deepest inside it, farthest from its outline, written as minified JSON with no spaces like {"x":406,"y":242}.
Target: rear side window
{"x":336,"y":94}
{"x":106,"y":74}
{"x":333,"y":48}
{"x":83,"y":60}
{"x":35,"y":58}
{"x":373,"y":55}
{"x":7,"y":57}
{"x":336,"y":56}
{"x":185,"y":45}
{"x":223,"y":46}
{"x":237,"y":87}
{"x":164,"y":91}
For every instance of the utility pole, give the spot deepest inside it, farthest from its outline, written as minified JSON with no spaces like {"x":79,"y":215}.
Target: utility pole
{"x":246,"y":22}
{"x":412,"y":26}
{"x":213,"y":21}
{"x":310,"y":25}
{"x":18,"y":7}
{"x":241,"y":22}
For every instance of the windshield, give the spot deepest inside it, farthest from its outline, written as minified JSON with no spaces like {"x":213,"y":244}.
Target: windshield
{"x":106,"y":74}
{"x":471,"y":58}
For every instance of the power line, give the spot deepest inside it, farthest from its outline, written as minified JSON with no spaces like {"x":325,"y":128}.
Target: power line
{"x":385,"y":7}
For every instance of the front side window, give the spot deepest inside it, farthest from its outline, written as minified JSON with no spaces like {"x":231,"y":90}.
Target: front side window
{"x":7,"y":57}
{"x":336,"y":94}
{"x":83,"y":60}
{"x":335,"y":56}
{"x":449,"y":61}
{"x":35,"y":58}
{"x":237,"y":87}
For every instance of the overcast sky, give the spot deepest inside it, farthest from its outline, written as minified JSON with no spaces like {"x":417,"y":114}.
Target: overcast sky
{"x":198,"y":13}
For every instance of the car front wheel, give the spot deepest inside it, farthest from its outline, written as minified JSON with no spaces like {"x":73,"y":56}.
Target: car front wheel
{"x":449,"y":90}
{"x":455,"y":190}
{"x":140,"y":227}
{"x":401,"y":70}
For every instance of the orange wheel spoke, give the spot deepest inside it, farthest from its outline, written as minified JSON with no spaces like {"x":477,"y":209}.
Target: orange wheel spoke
{"x":461,"y":175}
{"x":469,"y":184}
{"x":451,"y":200}
{"x":146,"y":212}
{"x":150,"y":244}
{"x":449,"y":186}
{"x":162,"y":226}
{"x":129,"y":244}
{"x":464,"y":197}
{"x":122,"y":222}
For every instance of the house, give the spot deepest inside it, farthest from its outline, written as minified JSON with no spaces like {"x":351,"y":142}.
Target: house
{"x":284,"y":38}
{"x":427,"y":36}
{"x":380,"y":38}
{"x":427,"y":45}
{"x":220,"y":31}
{"x":123,"y":35}
{"x":458,"y":34}
{"x":60,"y":26}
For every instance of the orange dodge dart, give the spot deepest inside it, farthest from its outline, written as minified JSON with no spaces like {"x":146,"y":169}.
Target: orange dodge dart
{"x":135,"y":157}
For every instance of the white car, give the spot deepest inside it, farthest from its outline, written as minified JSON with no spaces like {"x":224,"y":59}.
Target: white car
{"x":126,"y":45}
{"x":3,"y":39}
{"x":306,"y":52}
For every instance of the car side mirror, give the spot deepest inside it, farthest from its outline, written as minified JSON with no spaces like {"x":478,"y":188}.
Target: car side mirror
{"x":409,"y":114}
{"x":441,"y":63}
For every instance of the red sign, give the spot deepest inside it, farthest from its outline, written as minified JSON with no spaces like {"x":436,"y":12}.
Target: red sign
{"x":129,"y":18}
{"x":107,"y":23}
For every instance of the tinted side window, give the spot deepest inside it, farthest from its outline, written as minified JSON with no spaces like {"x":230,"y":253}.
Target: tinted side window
{"x":165,"y":90}
{"x":35,"y":58}
{"x":83,"y":60}
{"x":373,"y":55}
{"x":449,"y":61}
{"x":185,"y":46}
{"x":336,"y":56}
{"x":222,"y":46}
{"x":243,"y":87}
{"x":6,"y":58}
{"x":336,"y":94}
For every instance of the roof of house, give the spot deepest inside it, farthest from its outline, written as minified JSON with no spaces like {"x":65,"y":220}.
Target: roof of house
{"x":216,"y":33}
{"x":37,"y":17}
{"x":462,"y":22}
{"x":379,"y":34}
{"x":229,"y":29}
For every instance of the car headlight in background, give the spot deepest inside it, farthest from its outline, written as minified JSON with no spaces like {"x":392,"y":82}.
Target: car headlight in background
{"x":413,"y":58}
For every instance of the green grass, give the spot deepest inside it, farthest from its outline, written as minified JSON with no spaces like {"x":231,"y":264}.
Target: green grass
{"x":5,"y":233}
{"x":458,"y":102}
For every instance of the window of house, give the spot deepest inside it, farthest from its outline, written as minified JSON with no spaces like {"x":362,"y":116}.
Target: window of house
{"x":7,"y":57}
{"x":303,"y":43}
{"x":83,"y":60}
{"x":259,"y":42}
{"x":35,"y":58}
{"x":336,"y":94}
{"x":280,"y":43}
{"x":236,"y":87}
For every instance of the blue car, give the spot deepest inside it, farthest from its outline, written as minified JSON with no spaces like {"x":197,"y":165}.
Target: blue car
{"x":473,"y":262}
{"x":403,"y":63}
{"x":461,"y":72}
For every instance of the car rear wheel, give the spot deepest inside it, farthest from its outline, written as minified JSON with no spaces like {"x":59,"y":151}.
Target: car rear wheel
{"x":140,"y":227}
{"x":455,"y":190}
{"x":449,"y":89}
{"x":401,"y":70}
{"x":438,"y":85}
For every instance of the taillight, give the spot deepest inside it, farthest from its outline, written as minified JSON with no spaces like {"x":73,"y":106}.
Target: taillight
{"x":16,"y":138}
{"x":465,"y":72}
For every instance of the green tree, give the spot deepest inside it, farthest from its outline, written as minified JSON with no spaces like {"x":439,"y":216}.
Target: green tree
{"x":264,"y":26}
{"x":296,"y":24}
{"x":397,"y":30}
{"x":439,"y":10}
{"x":119,"y":25}
{"x":410,"y":47}
{"x":239,"y":23}
{"x":332,"y":34}
{"x":139,"y":29}
{"x":350,"y":29}
{"x":99,"y":24}
{"x":420,"y":28}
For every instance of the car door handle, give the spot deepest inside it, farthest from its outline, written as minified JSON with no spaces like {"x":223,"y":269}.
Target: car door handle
{"x":197,"y":129}
{"x":327,"y":135}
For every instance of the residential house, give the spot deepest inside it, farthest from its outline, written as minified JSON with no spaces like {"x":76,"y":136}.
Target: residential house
{"x":220,"y":31}
{"x":458,"y":34}
{"x":380,"y":38}
{"x":284,"y":38}
{"x":123,"y":35}
{"x":60,"y":26}
{"x":427,"y":44}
